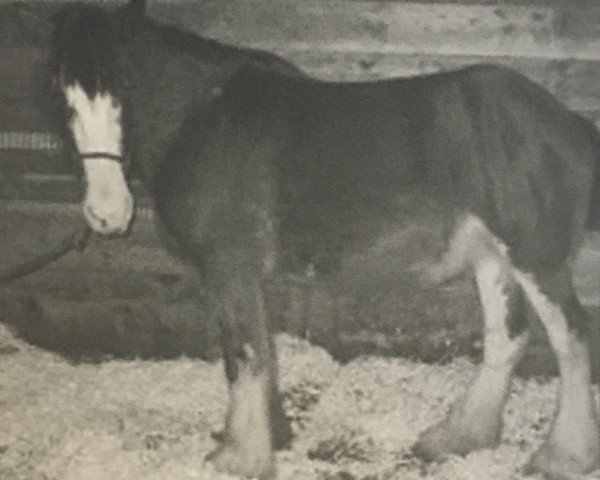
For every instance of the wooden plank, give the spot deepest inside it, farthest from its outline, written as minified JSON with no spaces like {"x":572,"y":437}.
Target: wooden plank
{"x":30,"y":227}
{"x":579,"y":85}
{"x":16,"y":114}
{"x":550,"y":3}
{"x":545,"y":32}
{"x":17,"y":63}
{"x":25,"y":23}
{"x":30,"y":141}
{"x":355,"y":40}
{"x":560,"y":31}
{"x":32,"y":152}
{"x":39,"y":162}
{"x":378,"y":36}
{"x":54,"y":189}
{"x":573,"y":82}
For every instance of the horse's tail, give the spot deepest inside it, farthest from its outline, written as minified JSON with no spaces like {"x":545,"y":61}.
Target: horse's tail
{"x":593,"y":221}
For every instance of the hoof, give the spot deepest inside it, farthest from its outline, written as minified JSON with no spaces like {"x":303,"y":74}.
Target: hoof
{"x":557,"y":464}
{"x":282,"y":435}
{"x":441,"y":440}
{"x":244,"y":463}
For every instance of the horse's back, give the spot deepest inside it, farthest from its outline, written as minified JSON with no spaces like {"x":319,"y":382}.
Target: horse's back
{"x":484,"y":140}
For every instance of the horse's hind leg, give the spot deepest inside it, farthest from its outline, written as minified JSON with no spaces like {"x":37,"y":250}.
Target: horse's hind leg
{"x":573,"y":445}
{"x":475,"y":421}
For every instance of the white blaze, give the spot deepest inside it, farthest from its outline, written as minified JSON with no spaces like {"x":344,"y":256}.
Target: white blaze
{"x":96,"y":127}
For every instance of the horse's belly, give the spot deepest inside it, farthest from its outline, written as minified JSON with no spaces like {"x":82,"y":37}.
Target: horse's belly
{"x":397,"y":255}
{"x":377,"y":286}
{"x":333,"y":237}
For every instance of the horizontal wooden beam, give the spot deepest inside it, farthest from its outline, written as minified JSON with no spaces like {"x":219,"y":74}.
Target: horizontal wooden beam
{"x":60,"y":189}
{"x":576,"y":83}
{"x":557,"y":46}
{"x":533,"y":3}
{"x":18,"y":62}
{"x":556,"y":30}
{"x":31,"y":227}
{"x":564,"y":32}
{"x":14,"y":140}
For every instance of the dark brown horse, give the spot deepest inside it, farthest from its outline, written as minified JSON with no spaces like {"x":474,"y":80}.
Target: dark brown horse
{"x":255,"y":169}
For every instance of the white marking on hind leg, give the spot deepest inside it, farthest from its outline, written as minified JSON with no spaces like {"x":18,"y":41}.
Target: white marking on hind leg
{"x":470,"y":242}
{"x":476,"y":419}
{"x":573,"y":446}
{"x":551,"y":316}
{"x":493,"y":281}
{"x":96,"y":127}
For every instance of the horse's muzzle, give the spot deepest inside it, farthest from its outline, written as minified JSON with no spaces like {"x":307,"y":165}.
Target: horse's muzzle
{"x":109,"y":219}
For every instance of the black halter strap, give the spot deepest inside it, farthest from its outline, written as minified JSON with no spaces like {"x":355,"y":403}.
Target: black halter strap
{"x":123,"y":160}
{"x":100,"y":155}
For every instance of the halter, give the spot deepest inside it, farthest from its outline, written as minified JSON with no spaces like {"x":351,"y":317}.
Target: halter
{"x":100,"y":155}
{"x":121,"y":159}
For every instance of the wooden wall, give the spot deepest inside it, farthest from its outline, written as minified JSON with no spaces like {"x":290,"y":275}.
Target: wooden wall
{"x":556,"y":45}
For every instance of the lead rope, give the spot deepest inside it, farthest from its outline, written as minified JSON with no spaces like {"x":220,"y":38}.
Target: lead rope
{"x":76,"y":241}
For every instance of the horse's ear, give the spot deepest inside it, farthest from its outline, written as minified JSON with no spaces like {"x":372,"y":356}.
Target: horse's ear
{"x":130,"y":16}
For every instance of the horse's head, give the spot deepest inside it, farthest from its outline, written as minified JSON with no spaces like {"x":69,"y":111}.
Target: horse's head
{"x":88,"y":74}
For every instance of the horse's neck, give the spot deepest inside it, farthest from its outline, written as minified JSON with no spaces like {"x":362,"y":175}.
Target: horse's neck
{"x":147,"y":162}
{"x":154,"y":136}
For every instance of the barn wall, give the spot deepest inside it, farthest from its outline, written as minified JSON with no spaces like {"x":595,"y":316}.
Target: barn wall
{"x":556,"y":45}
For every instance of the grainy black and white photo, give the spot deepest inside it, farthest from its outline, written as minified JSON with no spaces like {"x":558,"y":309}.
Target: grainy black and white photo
{"x":299,"y":240}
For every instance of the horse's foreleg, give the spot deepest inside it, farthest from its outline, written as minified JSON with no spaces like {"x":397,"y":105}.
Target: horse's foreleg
{"x":475,"y":421}
{"x":255,"y":422}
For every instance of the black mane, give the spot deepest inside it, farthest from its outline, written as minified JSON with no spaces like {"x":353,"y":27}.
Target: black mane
{"x":182,"y":42}
{"x":86,"y":47}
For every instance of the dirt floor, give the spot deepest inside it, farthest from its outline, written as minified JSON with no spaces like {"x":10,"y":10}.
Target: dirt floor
{"x":152,"y":420}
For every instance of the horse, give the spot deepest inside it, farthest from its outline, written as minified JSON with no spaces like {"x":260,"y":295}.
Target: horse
{"x":255,"y":169}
